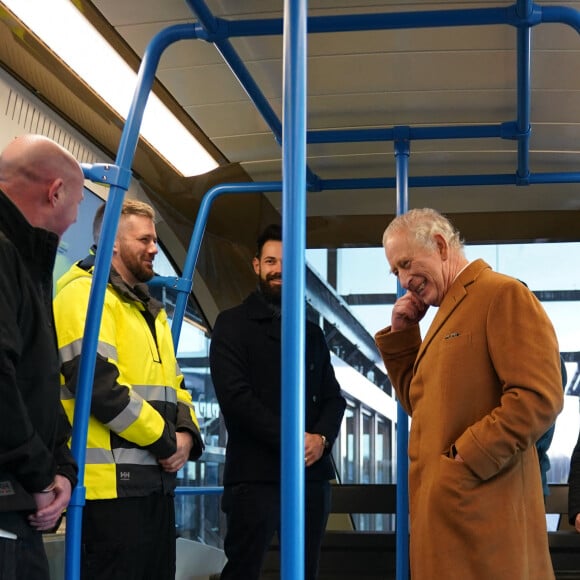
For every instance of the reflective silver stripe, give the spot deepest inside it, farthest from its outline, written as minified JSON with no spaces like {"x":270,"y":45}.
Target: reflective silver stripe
{"x":128,"y":415}
{"x":72,"y":350}
{"x":134,"y":456}
{"x":99,"y":455}
{"x":156,"y":393}
{"x":106,"y":457}
{"x":69,"y":351}
{"x":107,"y":351}
{"x":166,"y":394}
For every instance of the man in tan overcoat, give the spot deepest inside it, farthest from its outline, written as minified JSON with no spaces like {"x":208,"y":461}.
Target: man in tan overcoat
{"x":481,"y":388}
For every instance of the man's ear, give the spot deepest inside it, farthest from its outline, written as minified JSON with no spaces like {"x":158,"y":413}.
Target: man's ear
{"x":256,"y":264}
{"x":54,"y":191}
{"x":442,"y":246}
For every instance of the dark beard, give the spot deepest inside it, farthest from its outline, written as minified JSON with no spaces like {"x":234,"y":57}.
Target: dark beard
{"x":272,"y":294}
{"x":134,"y":265}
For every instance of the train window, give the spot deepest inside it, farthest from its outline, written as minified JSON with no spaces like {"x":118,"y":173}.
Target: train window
{"x":349,"y":449}
{"x":383,"y":451}
{"x":367,"y":448}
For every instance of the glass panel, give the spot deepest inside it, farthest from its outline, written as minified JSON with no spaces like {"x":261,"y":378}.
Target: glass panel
{"x":348,"y":446}
{"x":530,"y":262}
{"x":366,"y":450}
{"x":363,"y":271}
{"x":383,"y":451}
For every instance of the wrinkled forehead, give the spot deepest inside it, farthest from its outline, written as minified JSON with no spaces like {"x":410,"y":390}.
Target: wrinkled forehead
{"x":399,"y":242}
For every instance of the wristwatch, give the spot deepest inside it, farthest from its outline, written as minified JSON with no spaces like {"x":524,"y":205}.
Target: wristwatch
{"x":324,"y":441}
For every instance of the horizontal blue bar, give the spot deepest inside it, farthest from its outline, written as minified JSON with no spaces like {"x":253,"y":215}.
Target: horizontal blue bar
{"x":571,"y":177}
{"x":173,"y":282}
{"x":218,"y":28}
{"x":433,"y":181}
{"x":449,"y":181}
{"x":502,"y":131}
{"x":183,"y":490}
{"x":382,"y":21}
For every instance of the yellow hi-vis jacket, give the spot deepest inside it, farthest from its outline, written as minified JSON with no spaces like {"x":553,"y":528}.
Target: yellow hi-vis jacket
{"x":138,"y":398}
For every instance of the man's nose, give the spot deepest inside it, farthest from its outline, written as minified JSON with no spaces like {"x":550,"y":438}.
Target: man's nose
{"x":404,"y":280}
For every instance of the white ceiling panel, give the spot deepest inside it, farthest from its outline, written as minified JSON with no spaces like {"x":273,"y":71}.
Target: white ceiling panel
{"x":356,"y":80}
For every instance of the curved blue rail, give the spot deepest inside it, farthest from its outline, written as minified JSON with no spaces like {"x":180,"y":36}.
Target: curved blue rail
{"x":197,"y":237}
{"x":124,"y":160}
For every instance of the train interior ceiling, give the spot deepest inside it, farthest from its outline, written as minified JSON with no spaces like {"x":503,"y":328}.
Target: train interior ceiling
{"x":373,"y":88}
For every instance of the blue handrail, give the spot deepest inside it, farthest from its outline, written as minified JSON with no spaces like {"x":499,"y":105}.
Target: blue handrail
{"x":126,"y":152}
{"x":293,"y":304}
{"x":197,"y":237}
{"x":402,"y":152}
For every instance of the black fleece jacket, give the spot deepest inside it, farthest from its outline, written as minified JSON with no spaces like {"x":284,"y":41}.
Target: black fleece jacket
{"x":245,"y":361}
{"x":33,"y":427}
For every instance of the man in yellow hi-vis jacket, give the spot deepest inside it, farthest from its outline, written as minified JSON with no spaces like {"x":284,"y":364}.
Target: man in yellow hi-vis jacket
{"x":142,"y":427}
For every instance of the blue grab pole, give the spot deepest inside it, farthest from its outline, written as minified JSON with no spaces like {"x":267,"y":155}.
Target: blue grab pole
{"x":293,"y":303}
{"x":86,"y":374}
{"x":125,"y":154}
{"x":402,"y":152}
{"x":524,"y":107}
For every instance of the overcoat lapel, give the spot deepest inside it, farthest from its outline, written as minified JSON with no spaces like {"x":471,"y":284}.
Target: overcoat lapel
{"x":453,"y":298}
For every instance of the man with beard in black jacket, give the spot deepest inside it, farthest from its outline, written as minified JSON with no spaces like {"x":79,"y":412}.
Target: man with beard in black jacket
{"x":245,"y":362}
{"x":41,"y":186}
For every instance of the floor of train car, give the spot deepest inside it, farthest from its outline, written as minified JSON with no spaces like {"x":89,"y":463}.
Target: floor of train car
{"x":367,"y":555}
{"x":371,"y":559}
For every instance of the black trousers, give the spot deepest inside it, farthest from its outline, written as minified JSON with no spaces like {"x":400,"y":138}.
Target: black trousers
{"x":23,"y":558}
{"x":129,"y":539}
{"x":253,"y":516}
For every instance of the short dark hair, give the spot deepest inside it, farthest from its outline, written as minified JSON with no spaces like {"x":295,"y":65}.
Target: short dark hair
{"x":269,"y":233}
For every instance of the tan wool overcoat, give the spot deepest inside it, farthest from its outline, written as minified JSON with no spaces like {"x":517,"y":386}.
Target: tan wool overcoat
{"x":486,"y":379}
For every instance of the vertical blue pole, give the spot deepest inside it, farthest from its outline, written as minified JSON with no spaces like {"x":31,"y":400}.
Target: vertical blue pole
{"x":402,"y":151}
{"x":85,"y":381}
{"x":524,"y":36}
{"x":124,"y":160}
{"x":294,"y":282}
